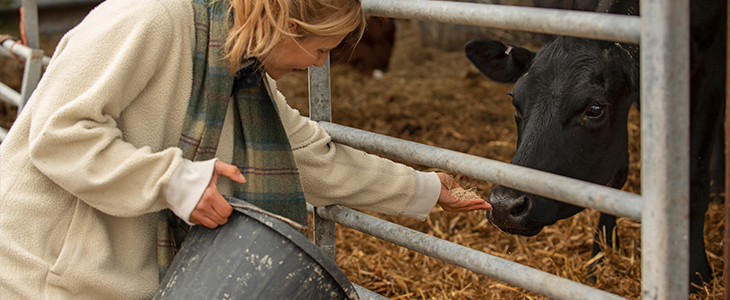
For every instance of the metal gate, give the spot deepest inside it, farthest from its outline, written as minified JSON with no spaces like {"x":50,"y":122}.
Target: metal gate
{"x":33,"y":58}
{"x":662,"y":30}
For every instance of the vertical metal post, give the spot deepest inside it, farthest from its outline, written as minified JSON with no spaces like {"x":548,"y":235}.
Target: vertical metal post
{"x":34,"y":64}
{"x":30,"y":23}
{"x":31,"y":76}
{"x":320,"y":109}
{"x":665,"y":148}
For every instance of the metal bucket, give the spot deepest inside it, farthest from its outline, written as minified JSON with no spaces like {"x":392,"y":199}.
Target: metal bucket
{"x":253,"y":256}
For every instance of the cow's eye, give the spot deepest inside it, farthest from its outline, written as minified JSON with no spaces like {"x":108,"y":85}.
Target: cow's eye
{"x":595,"y":111}
{"x":518,"y":118}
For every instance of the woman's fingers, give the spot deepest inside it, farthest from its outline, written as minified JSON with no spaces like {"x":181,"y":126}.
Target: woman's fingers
{"x":205,"y":214}
{"x":222,"y":208}
{"x":473,"y":204}
{"x":212,"y":209}
{"x":466,"y":205}
{"x":449,"y":203}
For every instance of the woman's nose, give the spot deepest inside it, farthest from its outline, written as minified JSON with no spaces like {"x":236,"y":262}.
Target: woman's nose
{"x":321,"y":59}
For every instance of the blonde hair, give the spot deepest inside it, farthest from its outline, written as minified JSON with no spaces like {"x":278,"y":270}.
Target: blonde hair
{"x":260,"y":24}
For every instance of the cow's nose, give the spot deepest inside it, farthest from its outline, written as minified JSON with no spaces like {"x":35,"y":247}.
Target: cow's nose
{"x":509,"y":207}
{"x":519,"y":206}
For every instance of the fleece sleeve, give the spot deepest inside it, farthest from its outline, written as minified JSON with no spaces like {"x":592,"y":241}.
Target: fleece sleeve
{"x":333,"y":173}
{"x":75,"y":139}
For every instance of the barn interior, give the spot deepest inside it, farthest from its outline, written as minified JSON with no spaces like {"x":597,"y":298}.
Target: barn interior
{"x":431,"y":94}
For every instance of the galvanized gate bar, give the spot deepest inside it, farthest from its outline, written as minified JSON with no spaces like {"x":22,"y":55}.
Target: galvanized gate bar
{"x":610,"y":27}
{"x":34,"y":61}
{"x":9,"y":95}
{"x":21,"y":51}
{"x":31,"y":76}
{"x":573,"y":191}
{"x":513,"y":273}
{"x":320,"y":109}
{"x":320,"y":97}
{"x":30,"y":23}
{"x":665,"y":149}
{"x":33,"y":56}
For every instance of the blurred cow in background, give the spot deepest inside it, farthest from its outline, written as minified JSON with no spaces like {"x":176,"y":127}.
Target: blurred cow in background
{"x":372,"y":54}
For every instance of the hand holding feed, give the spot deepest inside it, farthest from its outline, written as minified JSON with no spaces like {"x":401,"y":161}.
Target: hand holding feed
{"x":212,"y":209}
{"x":450,"y":203}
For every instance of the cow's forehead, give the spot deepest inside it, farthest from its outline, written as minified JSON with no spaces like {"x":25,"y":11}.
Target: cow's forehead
{"x":551,"y":82}
{"x":554,"y":93}
{"x":563,"y":77}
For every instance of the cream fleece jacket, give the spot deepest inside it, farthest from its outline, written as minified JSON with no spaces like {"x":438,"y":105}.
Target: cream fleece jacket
{"x":92,"y":159}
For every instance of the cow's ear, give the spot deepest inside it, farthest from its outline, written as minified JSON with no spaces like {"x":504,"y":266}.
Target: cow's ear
{"x":626,"y":66}
{"x":500,"y":63}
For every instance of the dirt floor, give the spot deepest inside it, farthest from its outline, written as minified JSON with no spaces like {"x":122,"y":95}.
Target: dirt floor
{"x":437,"y":98}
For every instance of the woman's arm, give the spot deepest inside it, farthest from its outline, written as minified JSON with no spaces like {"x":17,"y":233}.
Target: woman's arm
{"x":99,"y":71}
{"x":332,"y":173}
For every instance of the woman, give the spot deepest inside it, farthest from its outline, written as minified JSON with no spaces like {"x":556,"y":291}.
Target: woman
{"x":149,"y":105}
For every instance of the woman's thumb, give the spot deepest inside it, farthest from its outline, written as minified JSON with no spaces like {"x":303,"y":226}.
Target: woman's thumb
{"x":229,"y":171}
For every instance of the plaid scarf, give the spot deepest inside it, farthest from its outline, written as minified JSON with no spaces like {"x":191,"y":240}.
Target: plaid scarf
{"x":261,"y":147}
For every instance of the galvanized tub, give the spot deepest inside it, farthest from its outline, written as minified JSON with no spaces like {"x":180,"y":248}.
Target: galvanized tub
{"x":253,"y":256}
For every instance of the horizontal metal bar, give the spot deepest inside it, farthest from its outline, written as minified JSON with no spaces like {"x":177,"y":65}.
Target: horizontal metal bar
{"x":611,"y":27}
{"x":21,"y":51}
{"x":510,"y":272}
{"x":18,"y":49}
{"x":5,"y":52}
{"x":9,"y":95}
{"x":569,"y":190}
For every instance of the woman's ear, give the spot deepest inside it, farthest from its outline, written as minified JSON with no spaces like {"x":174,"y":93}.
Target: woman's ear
{"x":292,"y":26}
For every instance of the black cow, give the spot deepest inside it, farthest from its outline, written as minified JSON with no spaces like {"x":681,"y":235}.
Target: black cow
{"x":572,"y":99}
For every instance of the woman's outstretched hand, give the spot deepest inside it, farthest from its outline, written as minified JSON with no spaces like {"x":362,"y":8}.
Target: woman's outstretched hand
{"x":449,"y":203}
{"x":212,"y":209}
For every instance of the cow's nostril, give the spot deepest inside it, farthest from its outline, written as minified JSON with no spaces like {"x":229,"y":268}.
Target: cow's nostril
{"x":521,"y":206}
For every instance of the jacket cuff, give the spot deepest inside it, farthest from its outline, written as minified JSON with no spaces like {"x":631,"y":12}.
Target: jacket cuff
{"x":428,"y":189}
{"x":187,"y":185}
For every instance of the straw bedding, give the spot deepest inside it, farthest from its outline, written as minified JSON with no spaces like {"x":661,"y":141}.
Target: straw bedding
{"x":438,"y":98}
